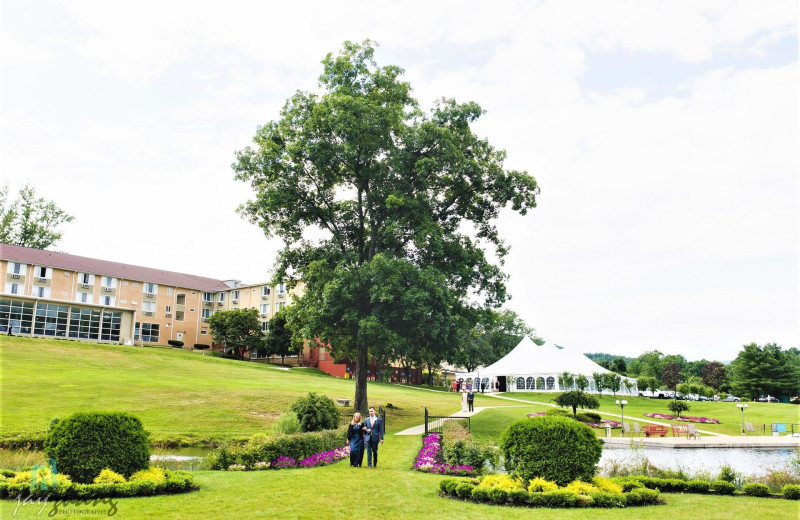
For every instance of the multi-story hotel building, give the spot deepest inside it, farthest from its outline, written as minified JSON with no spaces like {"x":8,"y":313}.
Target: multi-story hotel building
{"x":73,"y":297}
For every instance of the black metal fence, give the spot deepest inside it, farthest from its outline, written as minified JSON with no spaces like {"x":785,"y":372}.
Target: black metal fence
{"x":435,"y":423}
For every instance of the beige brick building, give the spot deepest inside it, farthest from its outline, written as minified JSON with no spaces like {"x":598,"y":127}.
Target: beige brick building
{"x":57,"y":295}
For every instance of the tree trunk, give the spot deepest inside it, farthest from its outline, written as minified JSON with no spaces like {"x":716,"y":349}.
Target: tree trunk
{"x":361,"y":402}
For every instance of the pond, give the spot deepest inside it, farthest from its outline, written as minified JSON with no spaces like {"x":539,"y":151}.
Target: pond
{"x":747,"y":461}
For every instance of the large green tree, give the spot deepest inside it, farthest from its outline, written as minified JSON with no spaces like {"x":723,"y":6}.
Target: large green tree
{"x":358,"y":173}
{"x":765,"y":370}
{"x":30,"y":221}
{"x":494,"y":335}
{"x":238,"y":329}
{"x":279,"y":338}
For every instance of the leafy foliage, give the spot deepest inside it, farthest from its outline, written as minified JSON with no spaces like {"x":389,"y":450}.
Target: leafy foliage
{"x":85,"y":443}
{"x":764,"y":370}
{"x":359,"y":175}
{"x":678,"y":407}
{"x":557,"y":449}
{"x":238,"y":329}
{"x":316,"y":412}
{"x":575,"y":399}
{"x":30,"y":221}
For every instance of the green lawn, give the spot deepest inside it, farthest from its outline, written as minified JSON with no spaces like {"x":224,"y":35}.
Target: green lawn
{"x":181,"y":393}
{"x":391,"y":491}
{"x":178,"y":394}
{"x":729,"y":416}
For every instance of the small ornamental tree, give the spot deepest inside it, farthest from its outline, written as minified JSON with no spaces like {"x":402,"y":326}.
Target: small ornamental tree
{"x":678,"y":407}
{"x":581,"y":382}
{"x":316,"y":412}
{"x":576,"y":398}
{"x":238,"y":329}
{"x":85,"y":443}
{"x":599,"y":382}
{"x":557,"y":449}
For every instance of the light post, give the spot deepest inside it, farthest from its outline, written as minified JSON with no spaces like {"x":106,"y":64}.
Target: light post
{"x":742,"y":406}
{"x":622,"y":412}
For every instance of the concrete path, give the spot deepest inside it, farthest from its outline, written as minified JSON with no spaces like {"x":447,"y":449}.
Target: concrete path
{"x":419,"y":430}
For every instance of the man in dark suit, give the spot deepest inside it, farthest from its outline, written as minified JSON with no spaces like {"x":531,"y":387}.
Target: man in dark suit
{"x":374,"y":437}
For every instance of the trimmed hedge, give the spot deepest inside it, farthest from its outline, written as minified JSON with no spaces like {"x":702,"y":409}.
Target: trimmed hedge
{"x":261,"y":448}
{"x":755,"y":489}
{"x":175,"y":343}
{"x":173,"y":482}
{"x":85,"y":443}
{"x":791,"y":491}
{"x":558,"y":449}
{"x":499,"y":493}
{"x":722,"y":487}
{"x":200,"y":346}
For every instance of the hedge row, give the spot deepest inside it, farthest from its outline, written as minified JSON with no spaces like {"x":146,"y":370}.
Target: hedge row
{"x":175,"y":482}
{"x":718,"y":487}
{"x":468,"y":489}
{"x":261,"y":448}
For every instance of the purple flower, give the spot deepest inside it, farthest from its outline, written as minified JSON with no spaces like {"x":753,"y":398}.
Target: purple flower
{"x":429,"y":459}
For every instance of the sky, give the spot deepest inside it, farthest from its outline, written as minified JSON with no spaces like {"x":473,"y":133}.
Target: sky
{"x":663,"y":135}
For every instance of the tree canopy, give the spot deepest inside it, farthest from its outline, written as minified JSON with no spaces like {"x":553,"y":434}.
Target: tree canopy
{"x":30,"y":221}
{"x":238,"y":329}
{"x":764,"y":370}
{"x":575,"y":398}
{"x":493,"y":336}
{"x":385,"y":211}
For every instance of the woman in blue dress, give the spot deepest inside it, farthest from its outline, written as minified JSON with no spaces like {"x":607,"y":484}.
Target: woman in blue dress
{"x":355,"y":434}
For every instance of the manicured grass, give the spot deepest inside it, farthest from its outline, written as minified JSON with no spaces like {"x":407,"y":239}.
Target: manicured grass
{"x":391,"y":491}
{"x":178,"y":394}
{"x":729,"y":416}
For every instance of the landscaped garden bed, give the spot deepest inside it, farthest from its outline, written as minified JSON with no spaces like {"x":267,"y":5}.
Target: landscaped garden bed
{"x":684,"y":418}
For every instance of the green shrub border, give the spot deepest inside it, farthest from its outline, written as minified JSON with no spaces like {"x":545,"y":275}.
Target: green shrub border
{"x":467,"y":489}
{"x":175,"y":482}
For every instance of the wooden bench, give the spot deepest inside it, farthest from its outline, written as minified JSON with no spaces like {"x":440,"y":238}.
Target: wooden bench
{"x":343,"y":402}
{"x":655,"y":429}
{"x":680,"y":429}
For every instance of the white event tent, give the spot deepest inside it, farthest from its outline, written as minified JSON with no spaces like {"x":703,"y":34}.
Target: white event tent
{"x":531,"y":367}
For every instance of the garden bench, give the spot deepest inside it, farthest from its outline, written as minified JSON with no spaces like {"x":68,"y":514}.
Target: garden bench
{"x":693,"y":433}
{"x":655,"y":429}
{"x":343,"y":402}
{"x":680,"y":429}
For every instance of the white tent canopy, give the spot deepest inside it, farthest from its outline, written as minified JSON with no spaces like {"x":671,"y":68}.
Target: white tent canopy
{"x":536,"y":367}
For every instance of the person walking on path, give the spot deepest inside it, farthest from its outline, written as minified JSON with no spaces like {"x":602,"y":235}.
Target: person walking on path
{"x":471,"y":401}
{"x":355,"y":434}
{"x":373,"y":438}
{"x":464,"y":400}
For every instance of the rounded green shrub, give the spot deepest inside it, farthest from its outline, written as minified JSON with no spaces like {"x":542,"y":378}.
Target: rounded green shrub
{"x":589,"y":417}
{"x":85,"y":443}
{"x":554,"y":448}
{"x":560,"y":498}
{"x":109,"y":477}
{"x":641,"y":497}
{"x":697,"y":486}
{"x":557,"y":412}
{"x":498,"y":495}
{"x":754,"y":489}
{"x":518,"y":496}
{"x":287,"y":424}
{"x":316,"y":412}
{"x":175,"y":343}
{"x":480,"y":493}
{"x":791,"y":491}
{"x":606,"y":499}
{"x":722,"y":487}
{"x":464,"y":489}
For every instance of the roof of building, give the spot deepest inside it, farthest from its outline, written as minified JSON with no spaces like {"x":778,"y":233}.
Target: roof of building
{"x":28,"y":255}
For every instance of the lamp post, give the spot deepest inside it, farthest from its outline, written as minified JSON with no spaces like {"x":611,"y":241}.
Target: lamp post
{"x":622,"y":412}
{"x":742,"y":406}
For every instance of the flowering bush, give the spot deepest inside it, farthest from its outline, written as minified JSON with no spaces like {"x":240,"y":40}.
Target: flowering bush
{"x":262,"y":465}
{"x":284,"y":462}
{"x":429,"y":459}
{"x":326,"y":457}
{"x":685,"y":418}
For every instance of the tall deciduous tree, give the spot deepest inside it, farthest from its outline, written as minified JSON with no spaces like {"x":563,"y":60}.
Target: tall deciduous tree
{"x":279,"y":338}
{"x":359,"y":173}
{"x":30,"y":221}
{"x":714,"y":375}
{"x":495,"y":334}
{"x":671,"y":375}
{"x":765,"y":370}
{"x":238,"y":329}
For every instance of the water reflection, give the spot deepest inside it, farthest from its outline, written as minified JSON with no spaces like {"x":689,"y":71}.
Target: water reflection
{"x":748,"y":461}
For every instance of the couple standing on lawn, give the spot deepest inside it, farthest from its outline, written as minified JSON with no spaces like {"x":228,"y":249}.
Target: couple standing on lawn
{"x":369,"y":433}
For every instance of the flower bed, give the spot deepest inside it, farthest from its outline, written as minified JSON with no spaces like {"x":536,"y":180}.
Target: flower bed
{"x":429,"y":459}
{"x":536,"y":414}
{"x":685,"y":418}
{"x":318,"y":459}
{"x":602,"y":424}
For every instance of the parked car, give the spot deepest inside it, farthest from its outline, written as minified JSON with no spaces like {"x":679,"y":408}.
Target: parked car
{"x":731,"y":399}
{"x":704,"y":398}
{"x":768,"y":399}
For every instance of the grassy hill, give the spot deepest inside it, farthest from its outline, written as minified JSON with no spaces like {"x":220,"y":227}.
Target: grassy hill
{"x":180,"y":395}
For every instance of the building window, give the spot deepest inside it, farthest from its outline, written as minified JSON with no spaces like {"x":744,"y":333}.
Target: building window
{"x":149,"y":306}
{"x":203,"y":332}
{"x":149,"y":332}
{"x":265,"y":291}
{"x":84,"y":278}
{"x":180,"y":299}
{"x":221,"y":297}
{"x":107,"y":300}
{"x":169,"y":291}
{"x":12,"y":288}
{"x":178,"y":315}
{"x":41,"y":272}
{"x":51,"y":320}
{"x":16,"y":315}
{"x":84,"y":323}
{"x":235,"y":295}
{"x":264,"y":309}
{"x":208,"y":297}
{"x":205,"y":313}
{"x":83,"y":297}
{"x":281,"y":288}
{"x":16,"y":268}
{"x":150,"y":288}
{"x":168,"y":309}
{"x":41,"y":292}
{"x":264,"y":326}
{"x":109,"y":282}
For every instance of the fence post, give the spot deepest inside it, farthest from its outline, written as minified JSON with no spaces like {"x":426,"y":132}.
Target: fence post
{"x":426,"y":421}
